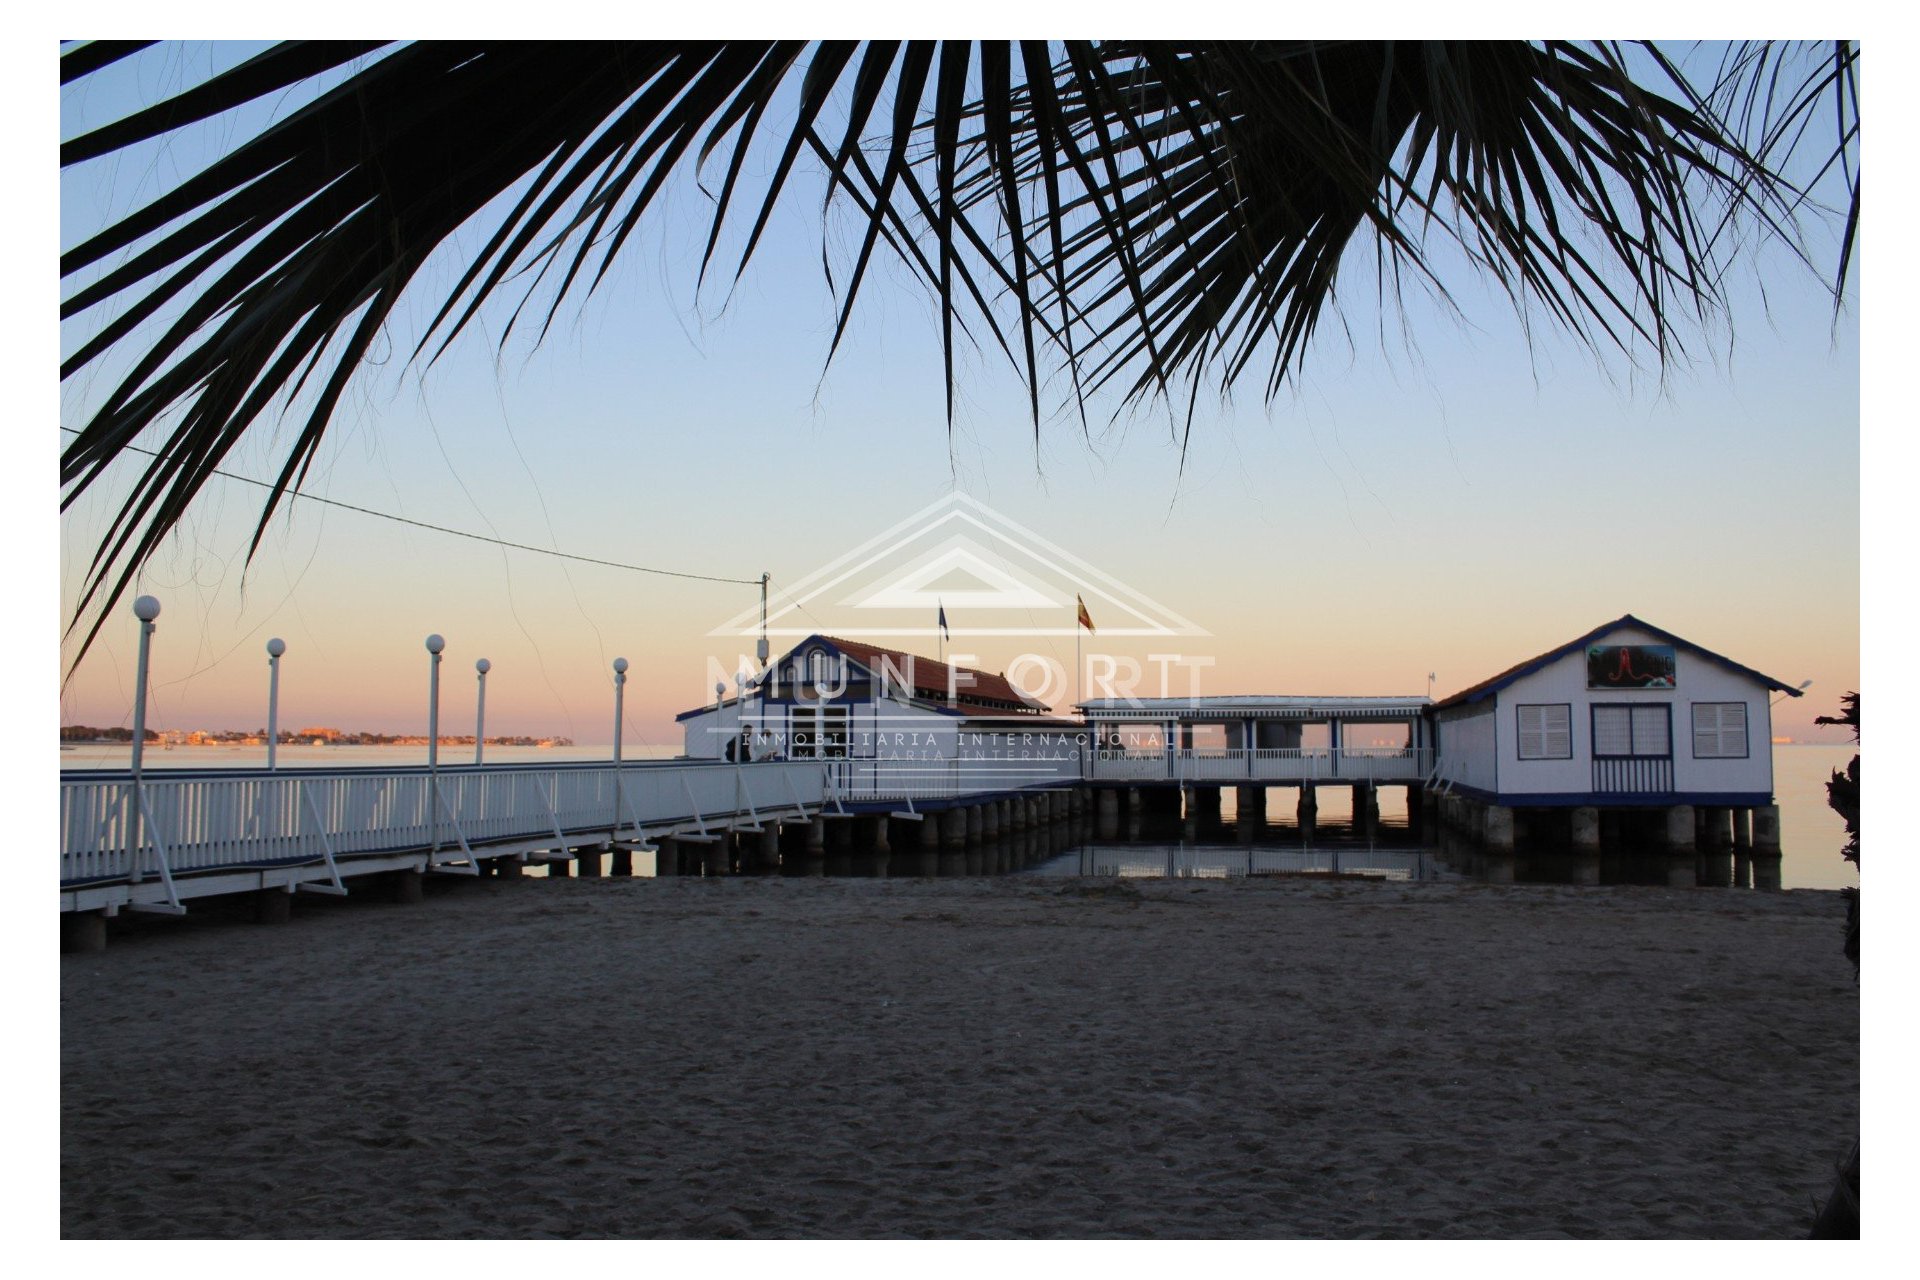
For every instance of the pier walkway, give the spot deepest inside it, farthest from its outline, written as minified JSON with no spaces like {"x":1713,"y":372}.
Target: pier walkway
{"x":178,"y":834}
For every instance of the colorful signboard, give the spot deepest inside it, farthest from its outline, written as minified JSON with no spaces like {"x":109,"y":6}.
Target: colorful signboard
{"x":1630,"y":666}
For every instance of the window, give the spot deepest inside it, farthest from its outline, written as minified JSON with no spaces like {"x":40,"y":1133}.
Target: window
{"x":1632,"y":731}
{"x":1720,"y":730}
{"x":818,"y":733}
{"x":1546,"y":732}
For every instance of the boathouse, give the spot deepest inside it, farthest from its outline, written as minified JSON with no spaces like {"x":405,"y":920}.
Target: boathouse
{"x":903,"y":723}
{"x":1627,"y":716}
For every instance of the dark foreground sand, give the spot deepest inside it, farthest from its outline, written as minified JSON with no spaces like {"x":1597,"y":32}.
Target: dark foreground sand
{"x":967,"y":1057}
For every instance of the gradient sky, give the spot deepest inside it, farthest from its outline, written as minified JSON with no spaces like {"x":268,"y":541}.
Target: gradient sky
{"x":1436,"y":493}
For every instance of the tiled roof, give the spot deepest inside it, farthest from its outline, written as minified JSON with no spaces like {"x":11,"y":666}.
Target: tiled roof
{"x":931,"y":678}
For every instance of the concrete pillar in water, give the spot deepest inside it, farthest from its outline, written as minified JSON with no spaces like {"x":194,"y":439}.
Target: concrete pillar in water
{"x":816,"y":837}
{"x":589,"y":860}
{"x":1307,"y":809}
{"x":83,"y":932}
{"x":990,"y":820}
{"x":622,"y":861}
{"x":1250,"y":805}
{"x":766,"y":849}
{"x":1766,"y":846}
{"x":1586,"y":828}
{"x":1680,"y":829}
{"x":976,"y":823}
{"x":272,"y":906}
{"x":509,"y":868}
{"x":1360,"y":790}
{"x":1680,"y":847}
{"x":666,"y":856}
{"x":1743,"y":828}
{"x":409,"y":886}
{"x":1720,"y":828}
{"x":953,"y":829}
{"x":1107,"y":805}
{"x":1498,"y":828}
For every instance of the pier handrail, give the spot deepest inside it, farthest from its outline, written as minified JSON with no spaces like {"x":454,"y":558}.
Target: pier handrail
{"x":236,"y":819}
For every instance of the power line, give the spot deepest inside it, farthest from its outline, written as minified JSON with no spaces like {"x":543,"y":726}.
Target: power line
{"x":458,"y":533}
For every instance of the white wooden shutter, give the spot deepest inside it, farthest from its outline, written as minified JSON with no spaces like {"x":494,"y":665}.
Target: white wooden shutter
{"x":1532,"y":733}
{"x":1719,"y":730}
{"x":1556,"y":731}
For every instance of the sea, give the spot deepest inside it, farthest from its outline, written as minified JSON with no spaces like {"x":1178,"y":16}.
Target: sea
{"x":1811,"y":834}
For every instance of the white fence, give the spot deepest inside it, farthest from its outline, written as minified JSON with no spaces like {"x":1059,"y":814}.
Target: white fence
{"x":1263,"y":764}
{"x":210,"y":823}
{"x":943,"y":777}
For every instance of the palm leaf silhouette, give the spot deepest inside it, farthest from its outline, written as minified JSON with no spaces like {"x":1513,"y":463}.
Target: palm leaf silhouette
{"x":1142,"y":216}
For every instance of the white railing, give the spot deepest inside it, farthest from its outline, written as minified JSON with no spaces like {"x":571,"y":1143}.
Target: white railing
{"x":1261,"y":764}
{"x":261,"y":819}
{"x":943,"y":777}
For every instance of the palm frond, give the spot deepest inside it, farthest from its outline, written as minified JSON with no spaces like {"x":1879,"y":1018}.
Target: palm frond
{"x":1134,"y":215}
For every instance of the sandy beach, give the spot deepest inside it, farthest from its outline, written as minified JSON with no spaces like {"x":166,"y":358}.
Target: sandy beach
{"x":982,"y":1057}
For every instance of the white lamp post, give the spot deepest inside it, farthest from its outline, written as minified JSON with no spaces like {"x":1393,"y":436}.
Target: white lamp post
{"x":480,"y":713}
{"x":146,"y":608}
{"x":275,"y":647}
{"x":619,"y":704}
{"x":434,"y":645}
{"x":719,"y":701}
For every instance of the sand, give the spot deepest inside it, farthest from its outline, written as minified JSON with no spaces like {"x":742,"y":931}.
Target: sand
{"x":1010,"y":1057}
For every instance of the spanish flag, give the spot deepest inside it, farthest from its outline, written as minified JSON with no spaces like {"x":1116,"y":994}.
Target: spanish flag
{"x":1086,"y":620}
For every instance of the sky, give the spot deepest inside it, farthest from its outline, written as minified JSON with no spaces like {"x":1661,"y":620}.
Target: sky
{"x":1435,"y":494}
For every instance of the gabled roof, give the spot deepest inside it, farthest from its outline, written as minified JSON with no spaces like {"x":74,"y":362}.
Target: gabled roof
{"x":980,"y":694}
{"x":932,"y":678}
{"x":1493,"y":684}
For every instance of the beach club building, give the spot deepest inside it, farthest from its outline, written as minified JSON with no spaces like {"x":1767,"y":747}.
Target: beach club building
{"x":1625,"y":716}
{"x":899,"y":724}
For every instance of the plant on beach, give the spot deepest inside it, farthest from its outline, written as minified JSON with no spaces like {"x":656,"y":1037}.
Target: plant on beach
{"x":1135,"y":216}
{"x":1839,"y":1219}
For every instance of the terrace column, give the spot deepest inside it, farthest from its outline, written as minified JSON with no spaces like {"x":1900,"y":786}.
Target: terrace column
{"x":1307,"y":811}
{"x":1107,"y":807}
{"x":666,"y":856}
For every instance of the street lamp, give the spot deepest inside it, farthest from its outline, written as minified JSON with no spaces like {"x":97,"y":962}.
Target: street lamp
{"x":619,"y":704}
{"x":480,"y":713}
{"x":275,"y":647}
{"x":434,"y":645}
{"x":1804,"y":685}
{"x":146,"y":608}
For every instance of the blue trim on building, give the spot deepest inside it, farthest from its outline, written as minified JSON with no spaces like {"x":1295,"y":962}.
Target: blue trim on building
{"x":1483,"y":692}
{"x":1649,"y":800}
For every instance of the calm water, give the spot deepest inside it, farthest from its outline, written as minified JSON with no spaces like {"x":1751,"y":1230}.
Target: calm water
{"x":1810,"y":833}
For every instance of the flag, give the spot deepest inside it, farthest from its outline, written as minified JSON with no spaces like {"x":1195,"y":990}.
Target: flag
{"x":944,"y":633}
{"x":1086,"y":620}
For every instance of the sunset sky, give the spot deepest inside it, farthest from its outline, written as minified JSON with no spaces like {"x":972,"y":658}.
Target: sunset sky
{"x":1438,"y":493}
